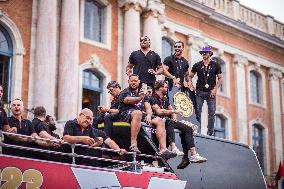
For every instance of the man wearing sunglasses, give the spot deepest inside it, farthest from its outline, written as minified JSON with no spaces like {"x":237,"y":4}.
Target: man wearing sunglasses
{"x":206,"y":87}
{"x":176,"y":66}
{"x":109,"y":115}
{"x":145,"y":63}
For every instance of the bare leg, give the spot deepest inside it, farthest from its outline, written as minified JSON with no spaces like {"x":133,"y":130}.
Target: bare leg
{"x":160,"y":132}
{"x":136,"y":117}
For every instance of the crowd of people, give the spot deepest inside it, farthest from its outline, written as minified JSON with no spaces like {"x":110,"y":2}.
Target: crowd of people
{"x":144,"y":100}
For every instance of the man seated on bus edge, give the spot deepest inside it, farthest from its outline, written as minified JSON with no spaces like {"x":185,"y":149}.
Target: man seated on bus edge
{"x":109,"y":115}
{"x":161,"y":106}
{"x":131,"y":105}
{"x":80,"y":131}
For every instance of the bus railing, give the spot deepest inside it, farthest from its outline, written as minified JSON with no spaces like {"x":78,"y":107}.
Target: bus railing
{"x":134,"y":163}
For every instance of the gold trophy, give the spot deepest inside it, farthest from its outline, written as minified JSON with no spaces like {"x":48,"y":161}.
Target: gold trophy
{"x":183,"y":103}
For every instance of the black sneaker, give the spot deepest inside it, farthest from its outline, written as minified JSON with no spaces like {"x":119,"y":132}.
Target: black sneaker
{"x":210,"y":133}
{"x":167,"y":154}
{"x":183,"y":164}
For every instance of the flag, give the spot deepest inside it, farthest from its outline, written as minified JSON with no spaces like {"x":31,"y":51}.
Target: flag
{"x":280,"y":172}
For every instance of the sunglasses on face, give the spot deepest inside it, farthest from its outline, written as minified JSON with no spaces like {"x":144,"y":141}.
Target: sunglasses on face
{"x":110,"y":90}
{"x":177,"y":46}
{"x":204,"y":53}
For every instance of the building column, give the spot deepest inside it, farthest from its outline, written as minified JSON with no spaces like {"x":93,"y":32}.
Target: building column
{"x":131,"y":33}
{"x":194,"y":45}
{"x":275,"y":94}
{"x":68,"y":60}
{"x":152,"y":24}
{"x":45,"y":56}
{"x":240,"y":85}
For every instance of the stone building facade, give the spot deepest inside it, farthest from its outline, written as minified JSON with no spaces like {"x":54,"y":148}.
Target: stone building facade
{"x":61,"y":53}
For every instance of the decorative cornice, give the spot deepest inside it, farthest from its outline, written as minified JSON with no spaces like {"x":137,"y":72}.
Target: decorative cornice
{"x":234,"y":22}
{"x":155,"y":6}
{"x":275,"y":73}
{"x":137,"y":5}
{"x":94,"y":61}
{"x":150,"y":13}
{"x":195,"y":42}
{"x":220,"y":53}
{"x":240,"y":60}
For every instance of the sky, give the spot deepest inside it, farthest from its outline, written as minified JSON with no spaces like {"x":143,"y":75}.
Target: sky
{"x":274,"y":8}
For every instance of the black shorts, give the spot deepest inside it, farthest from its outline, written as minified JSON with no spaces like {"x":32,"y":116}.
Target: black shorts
{"x":126,"y":116}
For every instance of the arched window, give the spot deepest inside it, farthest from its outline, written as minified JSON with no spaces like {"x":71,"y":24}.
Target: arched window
{"x":220,"y":126}
{"x":6,"y":52}
{"x":255,"y":87}
{"x":94,"y":20}
{"x":257,"y":143}
{"x":92,"y":89}
{"x":222,"y":63}
{"x":167,"y":47}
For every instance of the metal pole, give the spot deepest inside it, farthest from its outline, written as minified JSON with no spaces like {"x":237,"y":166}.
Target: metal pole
{"x":134,"y":155}
{"x":73,"y":153}
{"x":1,"y":141}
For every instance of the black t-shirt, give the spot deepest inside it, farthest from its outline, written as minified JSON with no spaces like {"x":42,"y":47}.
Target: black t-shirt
{"x":24,"y":127}
{"x":177,"y":68}
{"x":72,"y":128}
{"x":115,"y":103}
{"x":163,"y":103}
{"x":213,"y":70}
{"x":127,"y":92}
{"x":39,"y":125}
{"x":142,"y":63}
{"x":3,"y":118}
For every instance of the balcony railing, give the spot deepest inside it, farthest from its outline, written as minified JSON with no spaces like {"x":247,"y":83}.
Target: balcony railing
{"x":233,"y":9}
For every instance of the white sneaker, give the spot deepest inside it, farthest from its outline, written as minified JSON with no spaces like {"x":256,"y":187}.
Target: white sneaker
{"x":178,"y":152}
{"x":194,"y":128}
{"x":197,"y":159}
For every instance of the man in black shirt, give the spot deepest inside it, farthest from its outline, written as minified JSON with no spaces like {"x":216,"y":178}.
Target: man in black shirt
{"x":21,"y":126}
{"x":145,"y":63}
{"x":162,"y":108}
{"x":80,"y":131}
{"x":50,"y":121}
{"x":41,"y":126}
{"x":132,"y":104}
{"x":109,"y":115}
{"x":206,"y":87}
{"x":176,"y":66}
{"x":4,"y":125}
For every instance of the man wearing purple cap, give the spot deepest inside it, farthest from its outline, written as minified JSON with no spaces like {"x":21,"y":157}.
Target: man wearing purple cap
{"x":206,"y":86}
